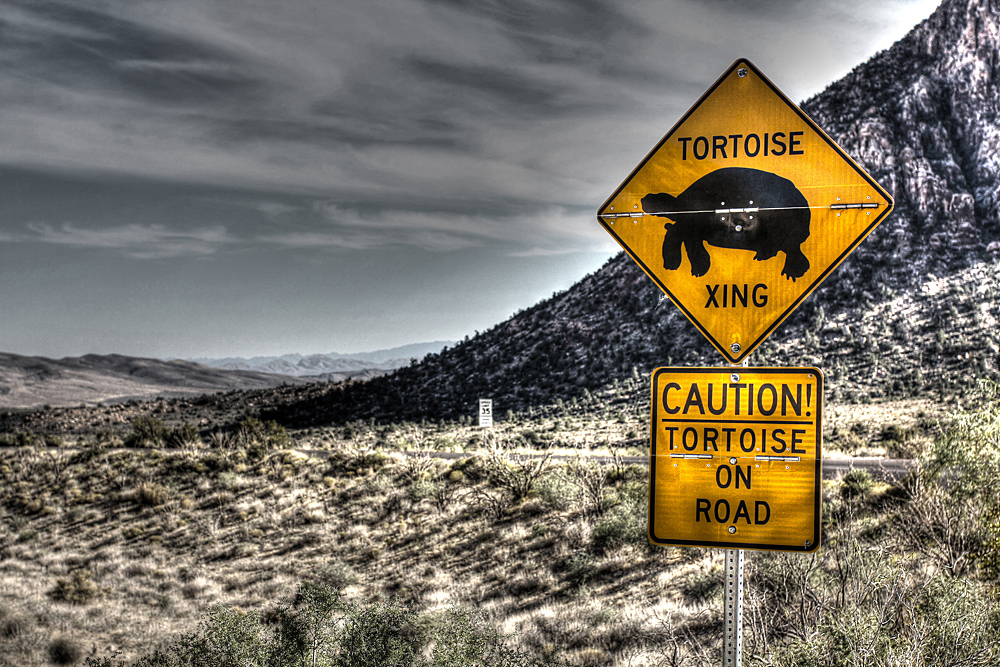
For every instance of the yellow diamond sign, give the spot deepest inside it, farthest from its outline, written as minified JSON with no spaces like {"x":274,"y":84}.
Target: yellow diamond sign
{"x":736,"y":458}
{"x":742,"y":210}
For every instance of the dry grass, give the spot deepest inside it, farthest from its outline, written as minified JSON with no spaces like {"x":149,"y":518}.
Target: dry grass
{"x":116,"y":550}
{"x":123,"y":550}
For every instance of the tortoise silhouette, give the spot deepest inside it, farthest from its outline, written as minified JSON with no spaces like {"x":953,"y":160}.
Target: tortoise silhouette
{"x":701,"y":214}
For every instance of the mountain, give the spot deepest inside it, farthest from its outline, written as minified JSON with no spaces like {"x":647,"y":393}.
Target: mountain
{"x":36,"y":381}
{"x":921,"y":117}
{"x":333,"y":365}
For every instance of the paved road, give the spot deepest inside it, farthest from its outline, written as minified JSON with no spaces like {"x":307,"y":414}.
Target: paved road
{"x":887,"y":470}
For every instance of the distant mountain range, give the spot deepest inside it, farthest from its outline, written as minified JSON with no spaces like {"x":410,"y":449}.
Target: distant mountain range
{"x":27,"y":382}
{"x":332,"y":365}
{"x":34,"y":382}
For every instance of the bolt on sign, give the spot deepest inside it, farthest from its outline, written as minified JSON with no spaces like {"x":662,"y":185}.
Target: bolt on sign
{"x":736,"y":458}
{"x":742,"y":210}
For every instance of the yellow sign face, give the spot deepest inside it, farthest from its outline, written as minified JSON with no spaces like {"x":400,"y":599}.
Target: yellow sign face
{"x":735,"y":458}
{"x":742,"y":210}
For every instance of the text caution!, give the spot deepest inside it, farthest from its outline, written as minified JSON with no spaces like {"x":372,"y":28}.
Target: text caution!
{"x":735,"y":458}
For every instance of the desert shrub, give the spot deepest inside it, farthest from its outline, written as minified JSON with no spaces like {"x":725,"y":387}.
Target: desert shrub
{"x":903,"y":587}
{"x":465,"y":638}
{"x":151,"y":494}
{"x":78,"y":589}
{"x":222,"y":441}
{"x":577,"y":569}
{"x":592,"y":481}
{"x":556,"y":491}
{"x":961,"y":622}
{"x":955,"y":498}
{"x":228,"y":636}
{"x":91,"y":449}
{"x":13,"y":625}
{"x":64,"y":651}
{"x":513,"y":474}
{"x":185,"y":435}
{"x":856,"y":483}
{"x":701,"y":586}
{"x":319,"y":627}
{"x":259,"y":438}
{"x":626,"y":522}
{"x":229,"y":481}
{"x":618,"y":528}
{"x":373,"y":635}
{"x":20,"y":439}
{"x":146,"y":432}
{"x":493,"y":503}
{"x":440,"y":492}
{"x":337,"y":575}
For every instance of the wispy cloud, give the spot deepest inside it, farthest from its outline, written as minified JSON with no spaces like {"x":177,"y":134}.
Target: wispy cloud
{"x":136,"y":241}
{"x":434,"y":105}
{"x":553,"y":230}
{"x":451,"y":139}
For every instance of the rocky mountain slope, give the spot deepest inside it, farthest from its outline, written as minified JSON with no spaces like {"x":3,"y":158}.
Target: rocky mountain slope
{"x":37,"y":381}
{"x":933,"y":341}
{"x":921,"y":117}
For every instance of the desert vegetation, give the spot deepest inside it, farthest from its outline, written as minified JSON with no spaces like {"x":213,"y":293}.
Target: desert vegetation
{"x":189,"y":539}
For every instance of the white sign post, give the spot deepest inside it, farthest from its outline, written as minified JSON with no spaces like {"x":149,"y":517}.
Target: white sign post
{"x":486,"y":412}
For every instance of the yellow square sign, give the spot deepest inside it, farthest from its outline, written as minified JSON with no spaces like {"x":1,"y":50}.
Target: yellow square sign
{"x":735,"y":458}
{"x":742,"y":210}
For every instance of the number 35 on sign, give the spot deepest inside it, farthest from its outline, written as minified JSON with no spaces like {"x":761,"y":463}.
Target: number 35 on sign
{"x":736,"y":458}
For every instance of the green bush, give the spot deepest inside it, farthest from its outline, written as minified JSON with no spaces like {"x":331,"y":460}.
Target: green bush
{"x":960,"y":488}
{"x":898,"y":582}
{"x":578,"y":569}
{"x":625,"y":523}
{"x":319,"y":628}
{"x":855,"y":484}
{"x":259,"y":438}
{"x":147,"y":432}
{"x":19,"y":439}
{"x":556,"y":491}
{"x":701,"y":586}
{"x":185,"y":435}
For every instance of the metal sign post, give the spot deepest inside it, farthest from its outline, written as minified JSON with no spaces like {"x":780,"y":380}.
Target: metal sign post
{"x":732,"y":606}
{"x":732,"y":637}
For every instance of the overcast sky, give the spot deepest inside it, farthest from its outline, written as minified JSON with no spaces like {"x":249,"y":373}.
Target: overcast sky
{"x":246,"y":177}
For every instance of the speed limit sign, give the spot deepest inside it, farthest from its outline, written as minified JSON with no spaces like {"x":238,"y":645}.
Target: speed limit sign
{"x":486,"y":412}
